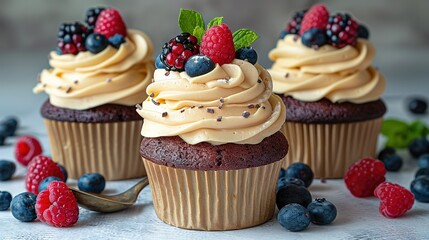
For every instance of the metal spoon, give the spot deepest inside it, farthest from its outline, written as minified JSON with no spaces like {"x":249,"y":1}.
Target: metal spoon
{"x":113,"y":203}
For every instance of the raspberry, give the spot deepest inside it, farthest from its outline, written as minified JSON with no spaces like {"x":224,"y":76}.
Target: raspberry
{"x":38,"y":169}
{"x":395,"y":200}
{"x":316,"y":17}
{"x":178,"y":50}
{"x":109,"y":23}
{"x":71,"y":38}
{"x":91,"y":17}
{"x":218,"y":45}
{"x":57,"y":205}
{"x":294,"y":25}
{"x":342,"y":30}
{"x":26,"y":148}
{"x":364,"y":176}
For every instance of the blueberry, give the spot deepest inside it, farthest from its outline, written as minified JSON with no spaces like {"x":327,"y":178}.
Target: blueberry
{"x":293,"y":194}
{"x":386,"y":152}
{"x":2,"y":140}
{"x":10,"y":124}
{"x":5,"y":199}
{"x":23,"y":207}
{"x":282,"y":173}
{"x":423,"y":161}
{"x":294,"y":217}
{"x":417,"y":105}
{"x":96,"y":43}
{"x":301,"y":171}
{"x":43,"y":185}
{"x":418,"y":147}
{"x":322,"y":212}
{"x":198,"y":65}
{"x":91,"y":182}
{"x":159,"y":63}
{"x":283,"y":34}
{"x":116,"y":40}
{"x":420,"y":188}
{"x":392,"y":163}
{"x":314,"y":37}
{"x":363,"y":32}
{"x":247,"y":53}
{"x":284,"y":181}
{"x":63,"y":169}
{"x":7,"y":169}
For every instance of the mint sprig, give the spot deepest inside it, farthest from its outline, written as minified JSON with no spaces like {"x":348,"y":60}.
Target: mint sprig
{"x":189,"y":20}
{"x":244,"y":38}
{"x":400,"y":134}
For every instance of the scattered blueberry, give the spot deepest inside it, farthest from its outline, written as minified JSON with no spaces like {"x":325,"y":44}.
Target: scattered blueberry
{"x":386,"y":152}
{"x":63,"y":169}
{"x":91,"y":182}
{"x":7,"y":169}
{"x":284,"y":181}
{"x":294,"y":217}
{"x":322,"y":212}
{"x":96,"y":43}
{"x":2,"y":139}
{"x":247,"y":53}
{"x":363,"y":32}
{"x":8,"y":126}
{"x":392,"y":163}
{"x":198,"y":65}
{"x":283,"y":34}
{"x":423,"y":161}
{"x":420,"y":188}
{"x":282,"y":173}
{"x":5,"y":199}
{"x":23,"y":207}
{"x":418,"y":147}
{"x":116,"y":40}
{"x":43,"y":185}
{"x":293,"y":194}
{"x":314,"y":37}
{"x":417,"y":105}
{"x":422,"y":172}
{"x":159,"y":63}
{"x":301,"y":171}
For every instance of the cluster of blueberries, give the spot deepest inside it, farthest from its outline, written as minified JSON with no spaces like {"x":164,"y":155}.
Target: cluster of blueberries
{"x":8,"y":128}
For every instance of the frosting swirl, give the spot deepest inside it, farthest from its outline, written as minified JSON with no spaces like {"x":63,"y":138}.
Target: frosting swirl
{"x":231,"y":104}
{"x":87,"y":80}
{"x":339,"y":75}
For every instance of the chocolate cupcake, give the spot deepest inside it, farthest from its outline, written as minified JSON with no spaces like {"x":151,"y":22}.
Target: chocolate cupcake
{"x":332,"y":93}
{"x":98,"y":75}
{"x":212,"y":145}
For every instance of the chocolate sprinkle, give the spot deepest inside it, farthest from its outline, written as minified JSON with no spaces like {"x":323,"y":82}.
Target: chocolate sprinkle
{"x":201,"y":106}
{"x":139,"y":107}
{"x":181,"y":111}
{"x":221,"y":100}
{"x":155,"y":102}
{"x":259,"y":80}
{"x":76,"y":81}
{"x":295,"y":38}
{"x":246,"y":114}
{"x":109,"y":80}
{"x":152,"y":95}
{"x":68,"y":89}
{"x":220,"y":105}
{"x":167,"y":73}
{"x":287,"y":75}
{"x":164,"y":114}
{"x":210,"y":110}
{"x":258,"y":106}
{"x":219,"y":119}
{"x":192,"y":107}
{"x":251,"y":106}
{"x":263,"y":107}
{"x":44,"y":85}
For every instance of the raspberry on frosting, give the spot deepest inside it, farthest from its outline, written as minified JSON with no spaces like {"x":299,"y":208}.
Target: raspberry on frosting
{"x":218,"y":44}
{"x":316,"y":17}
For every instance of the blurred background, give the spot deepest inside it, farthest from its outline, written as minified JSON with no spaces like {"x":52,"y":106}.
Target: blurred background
{"x":399,"y":30}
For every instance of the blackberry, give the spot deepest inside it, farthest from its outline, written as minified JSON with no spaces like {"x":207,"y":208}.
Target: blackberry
{"x":342,"y":30}
{"x":178,"y":50}
{"x":91,"y":17}
{"x":294,"y":25}
{"x":71,"y":38}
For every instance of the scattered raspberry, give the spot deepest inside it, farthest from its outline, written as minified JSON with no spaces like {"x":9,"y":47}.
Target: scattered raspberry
{"x":57,"y":205}
{"x":38,"y":169}
{"x":395,"y":200}
{"x":218,"y":45}
{"x":316,"y":17}
{"x":364,"y":176}
{"x":342,"y":30}
{"x":109,"y":23}
{"x":294,"y":25}
{"x":178,"y":50}
{"x":26,"y":148}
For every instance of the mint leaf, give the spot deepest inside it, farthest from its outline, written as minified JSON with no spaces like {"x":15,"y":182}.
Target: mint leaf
{"x":244,"y":38}
{"x":398,"y":140}
{"x":189,"y":20}
{"x":392,"y":126}
{"x":215,"y":22}
{"x":418,"y":128}
{"x":198,"y":33}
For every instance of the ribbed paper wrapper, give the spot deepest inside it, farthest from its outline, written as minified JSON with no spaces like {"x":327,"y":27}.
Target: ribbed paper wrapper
{"x":213,"y":200}
{"x":111,"y":149}
{"x":329,"y":149}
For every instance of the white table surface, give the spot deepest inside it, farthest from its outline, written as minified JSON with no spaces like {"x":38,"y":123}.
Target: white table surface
{"x":358,"y":218}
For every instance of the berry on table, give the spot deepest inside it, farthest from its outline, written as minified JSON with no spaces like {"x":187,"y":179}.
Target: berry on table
{"x":43,"y":185}
{"x":282,"y":173}
{"x":91,"y":182}
{"x":423,"y":161}
{"x":395,"y":200}
{"x":420,"y":188}
{"x":314,"y":37}
{"x":2,"y":139}
{"x":217,"y":43}
{"x":294,"y":25}
{"x":284,"y":181}
{"x":57,"y":205}
{"x":293,"y":194}
{"x":178,"y":50}
{"x":9,"y":126}
{"x":198,"y":65}
{"x":96,"y":43}
{"x":294,"y":217}
{"x":422,"y":172}
{"x":71,"y":38}
{"x":109,"y":22}
{"x":116,"y":40}
{"x":387,"y":151}
{"x":301,"y":171}
{"x":392,"y":163}
{"x":23,"y":207}
{"x":322,"y":212}
{"x":342,"y":30}
{"x":364,"y":176}
{"x":247,"y":53}
{"x":417,"y":105}
{"x":91,"y":17}
{"x":363,"y":32}
{"x":5,"y":199}
{"x":63,"y":169}
{"x":38,"y":169}
{"x":316,"y":17}
{"x":7,"y":169}
{"x":26,"y":148}
{"x":418,"y":147}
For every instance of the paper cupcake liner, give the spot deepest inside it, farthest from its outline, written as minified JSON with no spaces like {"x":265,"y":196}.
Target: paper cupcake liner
{"x":111,"y":149}
{"x":213,"y":200}
{"x":329,"y":149}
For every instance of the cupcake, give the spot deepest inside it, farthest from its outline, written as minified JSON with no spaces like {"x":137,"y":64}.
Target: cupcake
{"x":212,"y":145}
{"x":322,"y":71}
{"x":98,"y":74}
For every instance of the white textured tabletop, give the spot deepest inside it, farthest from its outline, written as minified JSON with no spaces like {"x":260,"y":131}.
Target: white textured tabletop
{"x":358,"y":218}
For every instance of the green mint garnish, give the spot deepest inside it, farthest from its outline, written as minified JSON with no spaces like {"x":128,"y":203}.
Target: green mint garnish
{"x":198,"y":33}
{"x":189,"y":20}
{"x":215,"y":22}
{"x":400,"y":134}
{"x":244,"y":38}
